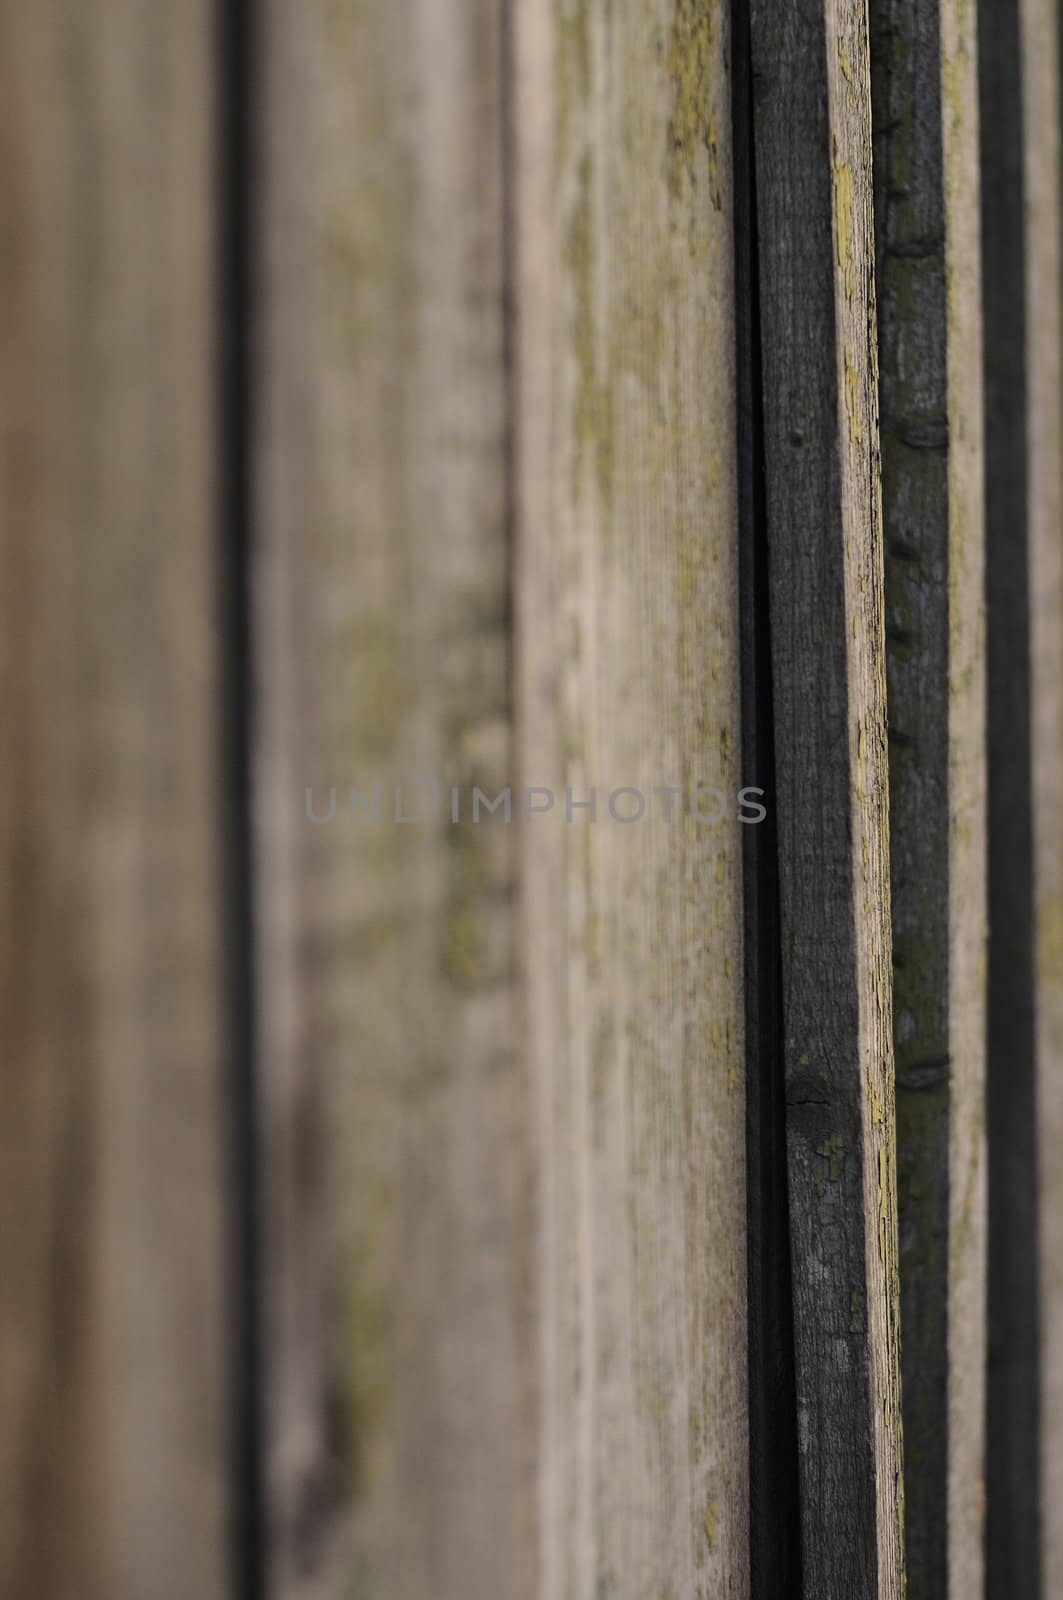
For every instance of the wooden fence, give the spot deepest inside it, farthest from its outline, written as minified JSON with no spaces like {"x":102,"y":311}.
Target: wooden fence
{"x":531,"y":701}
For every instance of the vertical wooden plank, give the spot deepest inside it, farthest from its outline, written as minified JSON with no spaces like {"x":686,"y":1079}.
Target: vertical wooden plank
{"x":813,"y":154}
{"x":508,"y":1325}
{"x":1012,"y":1389}
{"x":924,"y":92}
{"x":1042,"y":104}
{"x":627,"y":613}
{"x":399,"y":1220}
{"x":1020,"y":106}
{"x":111,"y":1276}
{"x":968,"y":1166}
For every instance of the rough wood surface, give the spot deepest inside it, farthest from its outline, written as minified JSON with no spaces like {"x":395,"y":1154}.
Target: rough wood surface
{"x":924,"y":95}
{"x":813,"y":156}
{"x":1043,"y":176}
{"x":968,"y":1168}
{"x":112,"y":1451}
{"x":399,"y":1222}
{"x":626,"y":595}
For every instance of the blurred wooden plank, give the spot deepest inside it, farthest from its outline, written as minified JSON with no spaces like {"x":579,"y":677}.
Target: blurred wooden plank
{"x":1042,"y":104}
{"x":627,"y":615}
{"x":813,"y":171}
{"x":112,"y":1453}
{"x":436,"y":1395}
{"x":924,"y":93}
{"x":398,"y":1129}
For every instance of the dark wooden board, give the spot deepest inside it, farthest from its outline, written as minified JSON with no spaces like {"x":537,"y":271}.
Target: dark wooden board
{"x":811,"y":110}
{"x":924,"y":98}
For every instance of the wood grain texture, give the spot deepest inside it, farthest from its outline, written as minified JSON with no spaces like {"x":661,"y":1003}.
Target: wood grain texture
{"x":508,"y":1322}
{"x":968,"y":1166}
{"x":111,"y":1388}
{"x":1043,"y":177}
{"x":813,"y":154}
{"x":924,"y":95}
{"x":397,"y":1132}
{"x":631,"y":946}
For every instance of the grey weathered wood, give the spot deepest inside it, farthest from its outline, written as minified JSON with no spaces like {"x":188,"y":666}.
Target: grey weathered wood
{"x":112,"y":1454}
{"x":399,"y":1221}
{"x":626,"y":597}
{"x":813,"y":168}
{"x":504,"y":1136}
{"x":924,"y":95}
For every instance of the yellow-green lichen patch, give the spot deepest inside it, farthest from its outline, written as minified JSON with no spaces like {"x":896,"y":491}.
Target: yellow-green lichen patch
{"x":843,"y":223}
{"x":689,"y":66}
{"x":572,"y":72}
{"x":369,"y":1342}
{"x":857,"y":1321}
{"x":833,"y":1151}
{"x":853,"y":384}
{"x":1050,"y":942}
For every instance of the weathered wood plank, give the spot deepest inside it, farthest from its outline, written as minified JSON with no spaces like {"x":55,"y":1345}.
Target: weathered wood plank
{"x":924,"y":94}
{"x":400,"y":1233}
{"x":968,"y":1164}
{"x":626,"y":594}
{"x":112,"y":1452}
{"x":389,"y":1009}
{"x":813,"y":156}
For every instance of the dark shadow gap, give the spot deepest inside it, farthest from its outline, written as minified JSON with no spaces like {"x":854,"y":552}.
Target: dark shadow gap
{"x":1013,"y":1486}
{"x":775,"y":1559}
{"x":236,"y":55}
